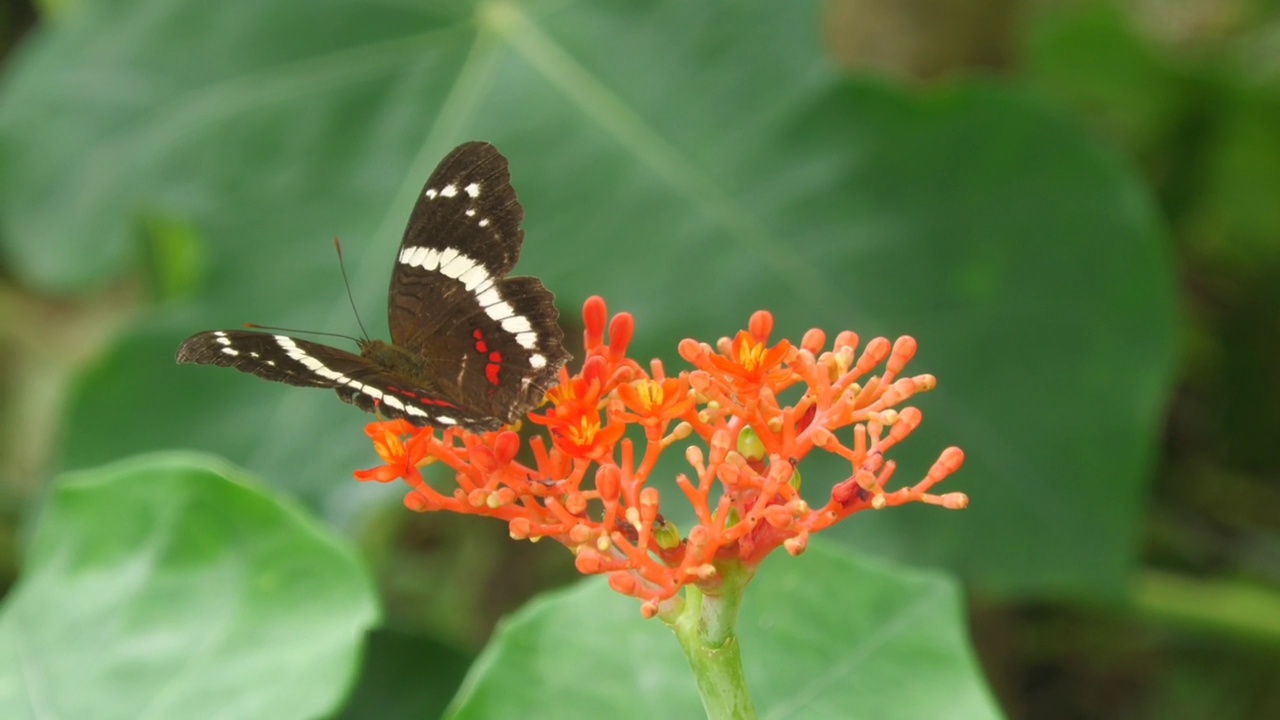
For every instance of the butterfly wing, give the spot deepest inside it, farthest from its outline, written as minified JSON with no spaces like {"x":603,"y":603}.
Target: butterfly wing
{"x":260,"y":354}
{"x":356,"y":379}
{"x":495,"y":340}
{"x":471,"y":347}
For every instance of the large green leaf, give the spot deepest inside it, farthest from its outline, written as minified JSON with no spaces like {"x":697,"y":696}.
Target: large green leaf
{"x":691,"y":161}
{"x":169,"y":587}
{"x":824,"y":635}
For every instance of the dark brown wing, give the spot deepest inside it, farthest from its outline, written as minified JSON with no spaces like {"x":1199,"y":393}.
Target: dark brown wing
{"x":356,"y":379}
{"x":490,"y":340}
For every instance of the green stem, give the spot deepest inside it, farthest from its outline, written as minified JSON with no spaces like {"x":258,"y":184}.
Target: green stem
{"x":706,"y":626}
{"x":1245,"y":610}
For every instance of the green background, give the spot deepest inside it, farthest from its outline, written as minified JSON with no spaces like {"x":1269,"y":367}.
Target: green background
{"x":1070,"y":205}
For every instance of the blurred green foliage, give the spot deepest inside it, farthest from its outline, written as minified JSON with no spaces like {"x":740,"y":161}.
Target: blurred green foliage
{"x":186,"y":164}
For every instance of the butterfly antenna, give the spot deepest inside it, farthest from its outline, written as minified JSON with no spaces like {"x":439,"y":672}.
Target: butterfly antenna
{"x":255,"y":326}
{"x":337,"y":244}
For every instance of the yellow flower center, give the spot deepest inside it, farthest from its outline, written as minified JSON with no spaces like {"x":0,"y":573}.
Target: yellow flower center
{"x":561,"y":395}
{"x":389,"y":448}
{"x":585,"y":432}
{"x":650,"y":392}
{"x":751,"y":354}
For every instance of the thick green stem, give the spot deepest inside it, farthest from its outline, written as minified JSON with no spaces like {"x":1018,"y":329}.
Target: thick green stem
{"x":706,"y":626}
{"x":1224,"y":606}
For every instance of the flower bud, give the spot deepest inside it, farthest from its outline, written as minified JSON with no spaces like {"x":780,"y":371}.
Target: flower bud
{"x":750,"y":445}
{"x":667,"y":536}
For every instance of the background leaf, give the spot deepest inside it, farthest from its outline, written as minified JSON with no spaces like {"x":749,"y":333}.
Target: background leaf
{"x":692,"y":162}
{"x":168,"y":586}
{"x":824,"y":635}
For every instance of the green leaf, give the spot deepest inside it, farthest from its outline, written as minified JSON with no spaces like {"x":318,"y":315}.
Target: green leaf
{"x":693,"y":162}
{"x":169,"y":586}
{"x":825,"y":635}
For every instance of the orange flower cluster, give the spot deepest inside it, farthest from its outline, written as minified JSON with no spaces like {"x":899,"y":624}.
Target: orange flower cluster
{"x":588,"y":489}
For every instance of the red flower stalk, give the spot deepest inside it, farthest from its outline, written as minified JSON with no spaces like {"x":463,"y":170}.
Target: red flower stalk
{"x":587,"y":487}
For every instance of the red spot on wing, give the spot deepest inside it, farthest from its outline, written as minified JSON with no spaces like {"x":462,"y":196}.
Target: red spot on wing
{"x":436,"y":403}
{"x":422,"y":399}
{"x":482,"y":347}
{"x":494,"y":367}
{"x":406,"y":393}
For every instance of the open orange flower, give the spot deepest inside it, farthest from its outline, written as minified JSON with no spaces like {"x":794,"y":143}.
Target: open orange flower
{"x":587,"y":484}
{"x":401,"y":458}
{"x":749,"y":362}
{"x":652,"y":401}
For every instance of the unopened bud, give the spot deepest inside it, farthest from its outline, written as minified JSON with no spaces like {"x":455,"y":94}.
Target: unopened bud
{"x":750,"y":445}
{"x":667,"y":536}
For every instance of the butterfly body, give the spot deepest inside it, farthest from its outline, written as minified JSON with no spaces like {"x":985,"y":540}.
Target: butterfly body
{"x":470,"y":346}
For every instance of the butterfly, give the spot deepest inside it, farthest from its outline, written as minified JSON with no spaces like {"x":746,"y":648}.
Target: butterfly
{"x":470,"y":347}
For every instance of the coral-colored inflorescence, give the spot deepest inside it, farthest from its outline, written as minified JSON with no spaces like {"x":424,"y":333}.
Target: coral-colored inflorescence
{"x":586,"y":485}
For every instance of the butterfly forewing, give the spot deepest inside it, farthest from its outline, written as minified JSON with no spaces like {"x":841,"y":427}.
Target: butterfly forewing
{"x":450,"y":300}
{"x":356,"y":379}
{"x":468,"y":205}
{"x":261,"y":354}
